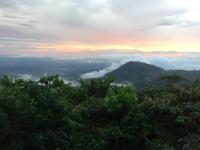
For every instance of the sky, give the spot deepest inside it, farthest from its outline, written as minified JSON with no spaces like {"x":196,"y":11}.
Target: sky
{"x":79,"y":27}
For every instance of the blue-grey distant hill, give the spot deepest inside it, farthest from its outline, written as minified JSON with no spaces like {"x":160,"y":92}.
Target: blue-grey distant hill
{"x":37,"y":67}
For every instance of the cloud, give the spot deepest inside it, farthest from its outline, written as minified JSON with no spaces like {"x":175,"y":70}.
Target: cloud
{"x":97,"y":16}
{"x":7,"y":3}
{"x":25,"y":76}
{"x":73,"y":83}
{"x":101,"y":73}
{"x":126,"y":22}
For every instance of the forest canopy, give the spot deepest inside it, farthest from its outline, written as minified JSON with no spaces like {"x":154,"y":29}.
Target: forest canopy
{"x":97,"y":115}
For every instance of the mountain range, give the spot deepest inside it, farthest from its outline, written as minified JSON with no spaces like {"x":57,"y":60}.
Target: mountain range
{"x":138,"y":73}
{"x":145,"y":75}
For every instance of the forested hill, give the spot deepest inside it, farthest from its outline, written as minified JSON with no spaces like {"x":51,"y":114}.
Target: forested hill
{"x":144,"y":75}
{"x":97,"y":115}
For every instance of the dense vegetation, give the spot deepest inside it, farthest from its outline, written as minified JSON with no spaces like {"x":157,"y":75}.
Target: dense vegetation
{"x":97,"y":115}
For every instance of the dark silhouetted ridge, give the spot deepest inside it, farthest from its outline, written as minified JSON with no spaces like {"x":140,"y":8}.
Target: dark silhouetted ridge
{"x":146,"y":75}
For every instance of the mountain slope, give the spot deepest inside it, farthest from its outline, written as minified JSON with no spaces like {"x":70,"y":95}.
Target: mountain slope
{"x":144,"y":75}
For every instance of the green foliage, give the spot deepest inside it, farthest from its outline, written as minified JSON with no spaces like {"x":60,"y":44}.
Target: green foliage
{"x":172,"y":80}
{"x":49,"y":114}
{"x":97,"y":88}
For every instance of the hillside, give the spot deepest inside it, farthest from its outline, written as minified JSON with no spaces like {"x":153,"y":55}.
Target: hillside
{"x":144,"y":75}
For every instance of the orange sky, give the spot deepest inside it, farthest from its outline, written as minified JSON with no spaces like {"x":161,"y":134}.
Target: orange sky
{"x":145,"y":47}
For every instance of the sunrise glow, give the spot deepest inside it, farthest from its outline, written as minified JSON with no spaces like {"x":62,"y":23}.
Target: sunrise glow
{"x":61,"y":27}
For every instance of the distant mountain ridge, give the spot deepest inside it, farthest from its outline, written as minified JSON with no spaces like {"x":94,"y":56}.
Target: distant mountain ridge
{"x":144,"y":75}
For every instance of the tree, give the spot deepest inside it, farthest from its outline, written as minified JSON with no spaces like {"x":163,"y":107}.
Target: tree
{"x":97,"y":115}
{"x":172,"y":80}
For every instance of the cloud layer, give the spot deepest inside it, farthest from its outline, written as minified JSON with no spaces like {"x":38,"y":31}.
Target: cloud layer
{"x":93,"y":25}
